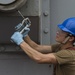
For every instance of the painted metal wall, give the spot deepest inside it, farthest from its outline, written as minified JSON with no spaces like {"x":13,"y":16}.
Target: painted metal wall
{"x":21,"y":64}
{"x":12,"y":60}
{"x":59,"y":11}
{"x":44,"y":15}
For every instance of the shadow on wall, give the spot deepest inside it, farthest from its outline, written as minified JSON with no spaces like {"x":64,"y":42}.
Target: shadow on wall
{"x":7,"y":28}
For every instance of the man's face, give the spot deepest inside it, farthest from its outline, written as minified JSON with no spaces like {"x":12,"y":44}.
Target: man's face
{"x":60,"y":36}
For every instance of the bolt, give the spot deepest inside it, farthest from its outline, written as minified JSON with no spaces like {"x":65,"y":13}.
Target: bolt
{"x":17,"y":48}
{"x":46,"y":30}
{"x":2,"y":48}
{"x":45,"y":13}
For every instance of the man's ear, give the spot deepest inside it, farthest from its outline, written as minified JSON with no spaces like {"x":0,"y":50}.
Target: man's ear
{"x":71,"y":38}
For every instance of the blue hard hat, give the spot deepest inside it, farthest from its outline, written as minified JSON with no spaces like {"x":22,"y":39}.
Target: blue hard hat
{"x":68,"y":25}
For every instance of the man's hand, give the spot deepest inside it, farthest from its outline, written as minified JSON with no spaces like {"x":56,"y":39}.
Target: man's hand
{"x":17,"y":38}
{"x":26,"y":32}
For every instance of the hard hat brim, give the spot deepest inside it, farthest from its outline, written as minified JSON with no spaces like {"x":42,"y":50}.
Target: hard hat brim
{"x":65,"y":29}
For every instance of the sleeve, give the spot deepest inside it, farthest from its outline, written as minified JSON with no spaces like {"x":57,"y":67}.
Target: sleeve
{"x":63,"y":56}
{"x":55,"y":47}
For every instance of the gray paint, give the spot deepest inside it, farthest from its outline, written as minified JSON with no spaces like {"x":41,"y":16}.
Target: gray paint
{"x":6,"y":1}
{"x":31,"y":8}
{"x":44,"y":15}
{"x":44,"y":22}
{"x":20,"y":64}
{"x":59,"y":11}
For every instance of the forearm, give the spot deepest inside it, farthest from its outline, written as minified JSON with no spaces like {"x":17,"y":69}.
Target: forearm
{"x":40,"y":48}
{"x":35,"y":55}
{"x":30,"y":42}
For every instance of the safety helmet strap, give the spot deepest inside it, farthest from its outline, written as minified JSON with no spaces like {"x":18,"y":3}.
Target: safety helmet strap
{"x":67,"y":38}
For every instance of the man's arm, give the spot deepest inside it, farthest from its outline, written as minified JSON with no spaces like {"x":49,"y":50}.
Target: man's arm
{"x":37,"y":56}
{"x":40,"y":48}
{"x":32,"y":53}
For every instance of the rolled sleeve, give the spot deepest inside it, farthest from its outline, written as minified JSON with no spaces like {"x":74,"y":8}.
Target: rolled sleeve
{"x":63,"y":56}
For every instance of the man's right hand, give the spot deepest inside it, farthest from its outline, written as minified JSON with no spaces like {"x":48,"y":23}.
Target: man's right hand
{"x":26,"y":32}
{"x":17,"y":37}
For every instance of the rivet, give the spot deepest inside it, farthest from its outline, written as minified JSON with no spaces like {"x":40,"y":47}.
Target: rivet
{"x":45,"y":13}
{"x":46,"y":30}
{"x":2,"y":48}
{"x":17,"y":48}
